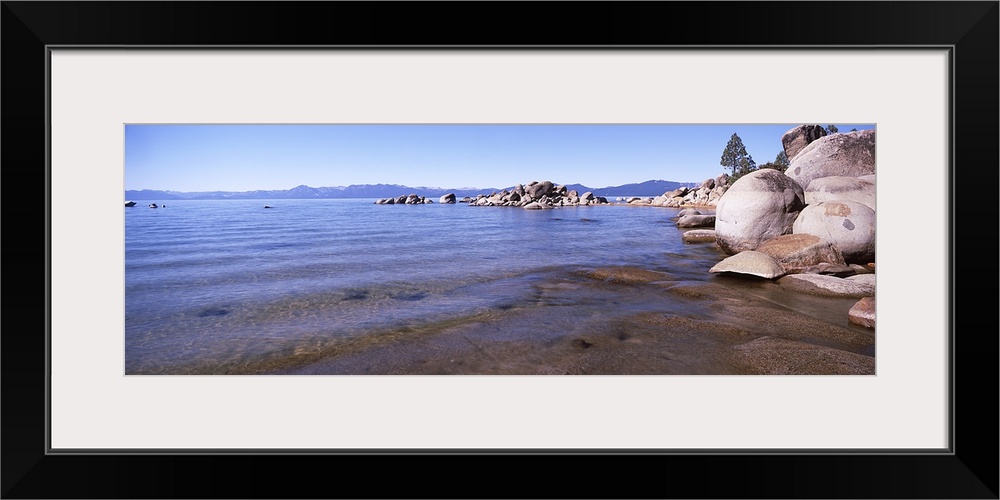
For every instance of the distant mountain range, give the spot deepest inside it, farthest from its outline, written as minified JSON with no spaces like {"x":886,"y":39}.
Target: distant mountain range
{"x":648,"y":188}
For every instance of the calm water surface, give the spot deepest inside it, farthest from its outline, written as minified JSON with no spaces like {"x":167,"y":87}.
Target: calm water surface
{"x":212,"y":283}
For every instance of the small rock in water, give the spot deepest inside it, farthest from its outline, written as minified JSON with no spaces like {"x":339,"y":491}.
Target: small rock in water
{"x":582,"y":343}
{"x":213,"y":311}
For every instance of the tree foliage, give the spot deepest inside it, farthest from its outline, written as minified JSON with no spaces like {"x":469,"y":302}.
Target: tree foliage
{"x":831,"y":129}
{"x":780,"y":163}
{"x":736,"y":159}
{"x":782,"y":159}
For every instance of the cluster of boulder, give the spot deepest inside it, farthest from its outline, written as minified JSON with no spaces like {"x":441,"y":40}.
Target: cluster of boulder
{"x":811,"y":228}
{"x":411,"y":199}
{"x":535,"y":196}
{"x":706,"y":195}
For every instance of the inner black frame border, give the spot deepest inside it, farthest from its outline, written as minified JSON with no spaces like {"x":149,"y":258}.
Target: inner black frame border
{"x":968,"y":469}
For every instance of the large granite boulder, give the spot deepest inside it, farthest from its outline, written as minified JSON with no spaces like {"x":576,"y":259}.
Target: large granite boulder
{"x":847,"y":225}
{"x":836,"y":188}
{"x":848,"y":155}
{"x":801,"y":252}
{"x":448,"y":198}
{"x":536,"y":190}
{"x":757,"y":207}
{"x":796,"y":139}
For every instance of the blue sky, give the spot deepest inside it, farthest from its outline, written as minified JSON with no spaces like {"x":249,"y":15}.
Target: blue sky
{"x":250,"y":157}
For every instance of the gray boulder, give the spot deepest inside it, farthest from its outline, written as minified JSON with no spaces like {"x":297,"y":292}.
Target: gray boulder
{"x":750,"y":262}
{"x":759,"y":206}
{"x":722,"y":181}
{"x":688,"y":211}
{"x":681,"y":191}
{"x":836,"y":188}
{"x":848,"y":155}
{"x":448,"y":198}
{"x":847,"y":225}
{"x":696,"y":221}
{"x":796,"y":139}
{"x":539,"y":189}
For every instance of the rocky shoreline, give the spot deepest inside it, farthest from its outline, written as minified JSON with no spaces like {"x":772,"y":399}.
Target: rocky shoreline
{"x":810,"y":229}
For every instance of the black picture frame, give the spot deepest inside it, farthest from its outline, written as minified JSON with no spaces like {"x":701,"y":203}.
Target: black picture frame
{"x":970,"y":470}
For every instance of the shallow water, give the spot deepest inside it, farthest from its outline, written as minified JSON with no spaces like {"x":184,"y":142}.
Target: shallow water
{"x":231,"y":287}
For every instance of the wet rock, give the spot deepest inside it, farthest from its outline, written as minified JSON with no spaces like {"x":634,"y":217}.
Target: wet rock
{"x":626,"y":275}
{"x":838,"y":270}
{"x":696,"y":221}
{"x":863,"y":313}
{"x":750,"y":262}
{"x":828,"y":286}
{"x":775,"y":356}
{"x":448,"y":198}
{"x":699,"y":236}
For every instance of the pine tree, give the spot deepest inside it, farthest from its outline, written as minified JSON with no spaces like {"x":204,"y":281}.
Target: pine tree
{"x":831,"y":129}
{"x":736,"y":159}
{"x":782,"y":159}
{"x":780,"y":163}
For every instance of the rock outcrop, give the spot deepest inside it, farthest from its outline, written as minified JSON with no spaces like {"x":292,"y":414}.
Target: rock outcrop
{"x":816,"y":224}
{"x":411,"y":199}
{"x":796,"y":139}
{"x":537,"y":195}
{"x":843,"y":155}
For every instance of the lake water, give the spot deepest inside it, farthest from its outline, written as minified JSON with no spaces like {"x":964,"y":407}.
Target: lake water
{"x":211,"y":286}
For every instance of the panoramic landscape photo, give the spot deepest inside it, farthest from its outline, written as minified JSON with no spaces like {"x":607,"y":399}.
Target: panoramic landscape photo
{"x":534,"y":249}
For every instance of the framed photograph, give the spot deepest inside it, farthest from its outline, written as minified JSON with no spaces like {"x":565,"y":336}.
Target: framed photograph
{"x":541,"y":326}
